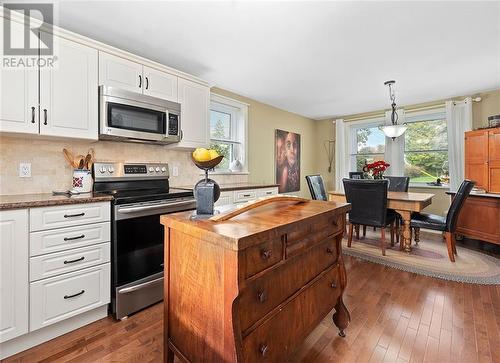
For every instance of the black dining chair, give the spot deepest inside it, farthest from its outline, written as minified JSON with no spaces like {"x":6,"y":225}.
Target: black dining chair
{"x":398,"y":184}
{"x":316,"y":187}
{"x":368,"y":200}
{"x":356,"y":175}
{"x":448,"y":224}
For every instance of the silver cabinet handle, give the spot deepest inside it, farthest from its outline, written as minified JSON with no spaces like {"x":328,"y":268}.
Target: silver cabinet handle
{"x":150,"y":207}
{"x":130,"y":289}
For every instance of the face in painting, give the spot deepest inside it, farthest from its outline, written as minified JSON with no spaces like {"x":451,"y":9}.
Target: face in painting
{"x":291,"y":148}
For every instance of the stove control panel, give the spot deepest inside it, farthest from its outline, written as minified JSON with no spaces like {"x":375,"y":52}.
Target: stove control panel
{"x":136,"y":171}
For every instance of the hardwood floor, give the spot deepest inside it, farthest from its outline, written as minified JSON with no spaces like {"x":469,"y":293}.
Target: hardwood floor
{"x":396,"y":317}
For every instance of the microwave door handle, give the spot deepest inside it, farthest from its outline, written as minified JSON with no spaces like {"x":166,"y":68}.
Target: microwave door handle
{"x":167,"y":124}
{"x":151,"y":207}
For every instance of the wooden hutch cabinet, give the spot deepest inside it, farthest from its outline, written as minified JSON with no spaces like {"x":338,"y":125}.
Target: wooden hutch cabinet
{"x":482,"y":158}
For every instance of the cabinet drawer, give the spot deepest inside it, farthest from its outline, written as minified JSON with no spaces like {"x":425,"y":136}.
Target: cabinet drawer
{"x":67,"y":261}
{"x":262,"y":256}
{"x":68,"y":215}
{"x":241,"y":196}
{"x":58,"y":298}
{"x":280,"y":336}
{"x":267,"y":192}
{"x":268,"y":291}
{"x":56,"y":240}
{"x":301,"y":238}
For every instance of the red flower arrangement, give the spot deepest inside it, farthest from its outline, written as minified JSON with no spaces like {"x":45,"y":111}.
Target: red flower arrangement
{"x":376,"y":168}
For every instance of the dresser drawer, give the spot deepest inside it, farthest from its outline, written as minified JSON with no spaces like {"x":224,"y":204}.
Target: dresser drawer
{"x":268,"y":291}
{"x":266,"y":192}
{"x":300,"y":238}
{"x":68,"y":215}
{"x":58,"y":298}
{"x":258,"y":258}
{"x":67,"y":261}
{"x":282,"y":334}
{"x":55,"y":240}
{"x":241,"y":196}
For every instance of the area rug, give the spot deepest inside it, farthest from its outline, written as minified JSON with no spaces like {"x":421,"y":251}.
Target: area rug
{"x":429,"y":258}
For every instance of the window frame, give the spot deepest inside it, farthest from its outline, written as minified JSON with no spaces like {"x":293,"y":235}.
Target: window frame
{"x":238,"y":128}
{"x":353,"y":144}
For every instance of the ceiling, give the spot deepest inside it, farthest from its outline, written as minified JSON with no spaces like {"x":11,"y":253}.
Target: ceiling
{"x":317,"y":59}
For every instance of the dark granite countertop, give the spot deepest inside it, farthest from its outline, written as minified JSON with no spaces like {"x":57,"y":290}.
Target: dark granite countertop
{"x":48,"y":199}
{"x":485,"y":195}
{"x":235,"y":186}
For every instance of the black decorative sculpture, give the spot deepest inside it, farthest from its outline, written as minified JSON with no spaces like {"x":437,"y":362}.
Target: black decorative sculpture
{"x":206,"y":191}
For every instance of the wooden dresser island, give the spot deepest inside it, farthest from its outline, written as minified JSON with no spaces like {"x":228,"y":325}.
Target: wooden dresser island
{"x":251,"y":288}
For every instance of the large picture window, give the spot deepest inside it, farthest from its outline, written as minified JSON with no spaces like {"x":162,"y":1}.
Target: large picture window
{"x":368,"y":146}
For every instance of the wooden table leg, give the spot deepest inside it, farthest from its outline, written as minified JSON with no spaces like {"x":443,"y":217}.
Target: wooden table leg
{"x":406,"y":230}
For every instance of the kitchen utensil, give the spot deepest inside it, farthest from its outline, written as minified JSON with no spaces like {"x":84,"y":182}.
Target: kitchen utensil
{"x":77,"y":160}
{"x":92,"y":157}
{"x":86,"y":163}
{"x":69,"y":157}
{"x":80,"y":163}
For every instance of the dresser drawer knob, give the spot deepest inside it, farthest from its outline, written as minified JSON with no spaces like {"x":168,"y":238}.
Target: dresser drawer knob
{"x":262,"y":296}
{"x":263,"y":349}
{"x":333,"y":285}
{"x":329,"y":251}
{"x":266,"y":254}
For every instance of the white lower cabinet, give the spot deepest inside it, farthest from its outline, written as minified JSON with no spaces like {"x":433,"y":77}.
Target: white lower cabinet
{"x":13,"y":273}
{"x":244,"y":196}
{"x":58,"y":298}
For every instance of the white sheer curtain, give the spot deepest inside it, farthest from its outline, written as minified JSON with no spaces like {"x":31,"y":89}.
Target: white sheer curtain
{"x":394,"y":149}
{"x":458,"y":121}
{"x":341,"y":154}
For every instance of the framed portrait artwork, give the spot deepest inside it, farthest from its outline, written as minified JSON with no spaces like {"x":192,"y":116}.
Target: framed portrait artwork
{"x":287,"y":161}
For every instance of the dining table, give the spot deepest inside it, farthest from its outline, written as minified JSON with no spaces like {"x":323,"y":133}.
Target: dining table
{"x":404,"y":203}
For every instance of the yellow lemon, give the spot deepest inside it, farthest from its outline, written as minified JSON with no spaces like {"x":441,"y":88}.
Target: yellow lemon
{"x":213,"y":154}
{"x":201,"y":154}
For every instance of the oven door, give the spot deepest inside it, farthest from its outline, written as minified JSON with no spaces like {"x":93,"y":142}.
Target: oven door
{"x":138,"y":253}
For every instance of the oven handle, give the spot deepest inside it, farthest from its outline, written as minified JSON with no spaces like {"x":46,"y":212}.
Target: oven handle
{"x":130,"y":289}
{"x":151,"y":207}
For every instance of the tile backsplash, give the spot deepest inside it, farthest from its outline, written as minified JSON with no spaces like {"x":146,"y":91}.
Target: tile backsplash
{"x":50,"y":171}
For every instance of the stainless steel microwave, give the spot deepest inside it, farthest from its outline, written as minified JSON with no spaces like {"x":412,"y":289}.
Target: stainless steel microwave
{"x":129,"y":116}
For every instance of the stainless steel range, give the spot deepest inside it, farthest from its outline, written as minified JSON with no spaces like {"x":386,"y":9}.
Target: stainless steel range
{"x":141,"y":195}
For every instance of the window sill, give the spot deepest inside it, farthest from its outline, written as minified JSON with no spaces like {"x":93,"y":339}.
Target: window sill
{"x":226,"y":172}
{"x":426,"y":186}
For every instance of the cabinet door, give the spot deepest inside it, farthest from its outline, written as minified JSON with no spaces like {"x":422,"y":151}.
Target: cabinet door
{"x":119,"y":72}
{"x":18,"y":92}
{"x":476,"y":157}
{"x":194,"y":99}
{"x":160,"y":84}
{"x":68,"y":92}
{"x":14,"y":264}
{"x":494,"y":160}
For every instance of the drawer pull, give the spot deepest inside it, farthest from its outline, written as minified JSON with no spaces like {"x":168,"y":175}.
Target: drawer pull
{"x":263,"y":350}
{"x":329,"y":251}
{"x":74,"y":215}
{"x":269,"y":193}
{"x":333,"y":285}
{"x":74,"y":295}
{"x":247,"y":195}
{"x":73,"y":261}
{"x":73,"y":238}
{"x":266,"y":254}
{"x":261,"y":295}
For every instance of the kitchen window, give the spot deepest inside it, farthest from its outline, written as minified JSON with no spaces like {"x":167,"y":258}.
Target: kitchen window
{"x":228,"y":131}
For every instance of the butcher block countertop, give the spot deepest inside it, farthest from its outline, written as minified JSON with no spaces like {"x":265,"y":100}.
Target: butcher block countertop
{"x":235,"y":186}
{"x":251,"y":227}
{"x":48,"y":199}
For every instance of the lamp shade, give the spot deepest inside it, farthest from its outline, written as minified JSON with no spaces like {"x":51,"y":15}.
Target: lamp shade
{"x":393,"y":131}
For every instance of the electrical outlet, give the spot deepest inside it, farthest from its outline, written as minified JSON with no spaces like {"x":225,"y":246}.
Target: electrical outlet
{"x":25,"y":170}
{"x":175,"y":171}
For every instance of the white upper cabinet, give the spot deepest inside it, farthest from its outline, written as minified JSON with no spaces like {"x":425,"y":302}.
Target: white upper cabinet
{"x":195,"y":100}
{"x":18,"y":94}
{"x":120,"y":72}
{"x":14,"y":283}
{"x":160,"y":84}
{"x":68,"y":92}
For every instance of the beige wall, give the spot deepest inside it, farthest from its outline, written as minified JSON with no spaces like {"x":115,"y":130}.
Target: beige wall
{"x":325,"y":132}
{"x":489,"y":106}
{"x":263,"y":120}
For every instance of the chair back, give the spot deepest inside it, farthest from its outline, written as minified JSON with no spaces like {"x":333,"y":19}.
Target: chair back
{"x":368,"y":200}
{"x":457,"y":204}
{"x":316,"y":187}
{"x":356,"y":175}
{"x":398,"y":183}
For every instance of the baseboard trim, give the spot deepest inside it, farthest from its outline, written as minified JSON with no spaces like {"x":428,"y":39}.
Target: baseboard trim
{"x":39,"y":336}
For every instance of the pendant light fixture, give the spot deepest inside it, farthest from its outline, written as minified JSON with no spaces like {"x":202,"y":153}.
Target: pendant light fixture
{"x":394,"y":130}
